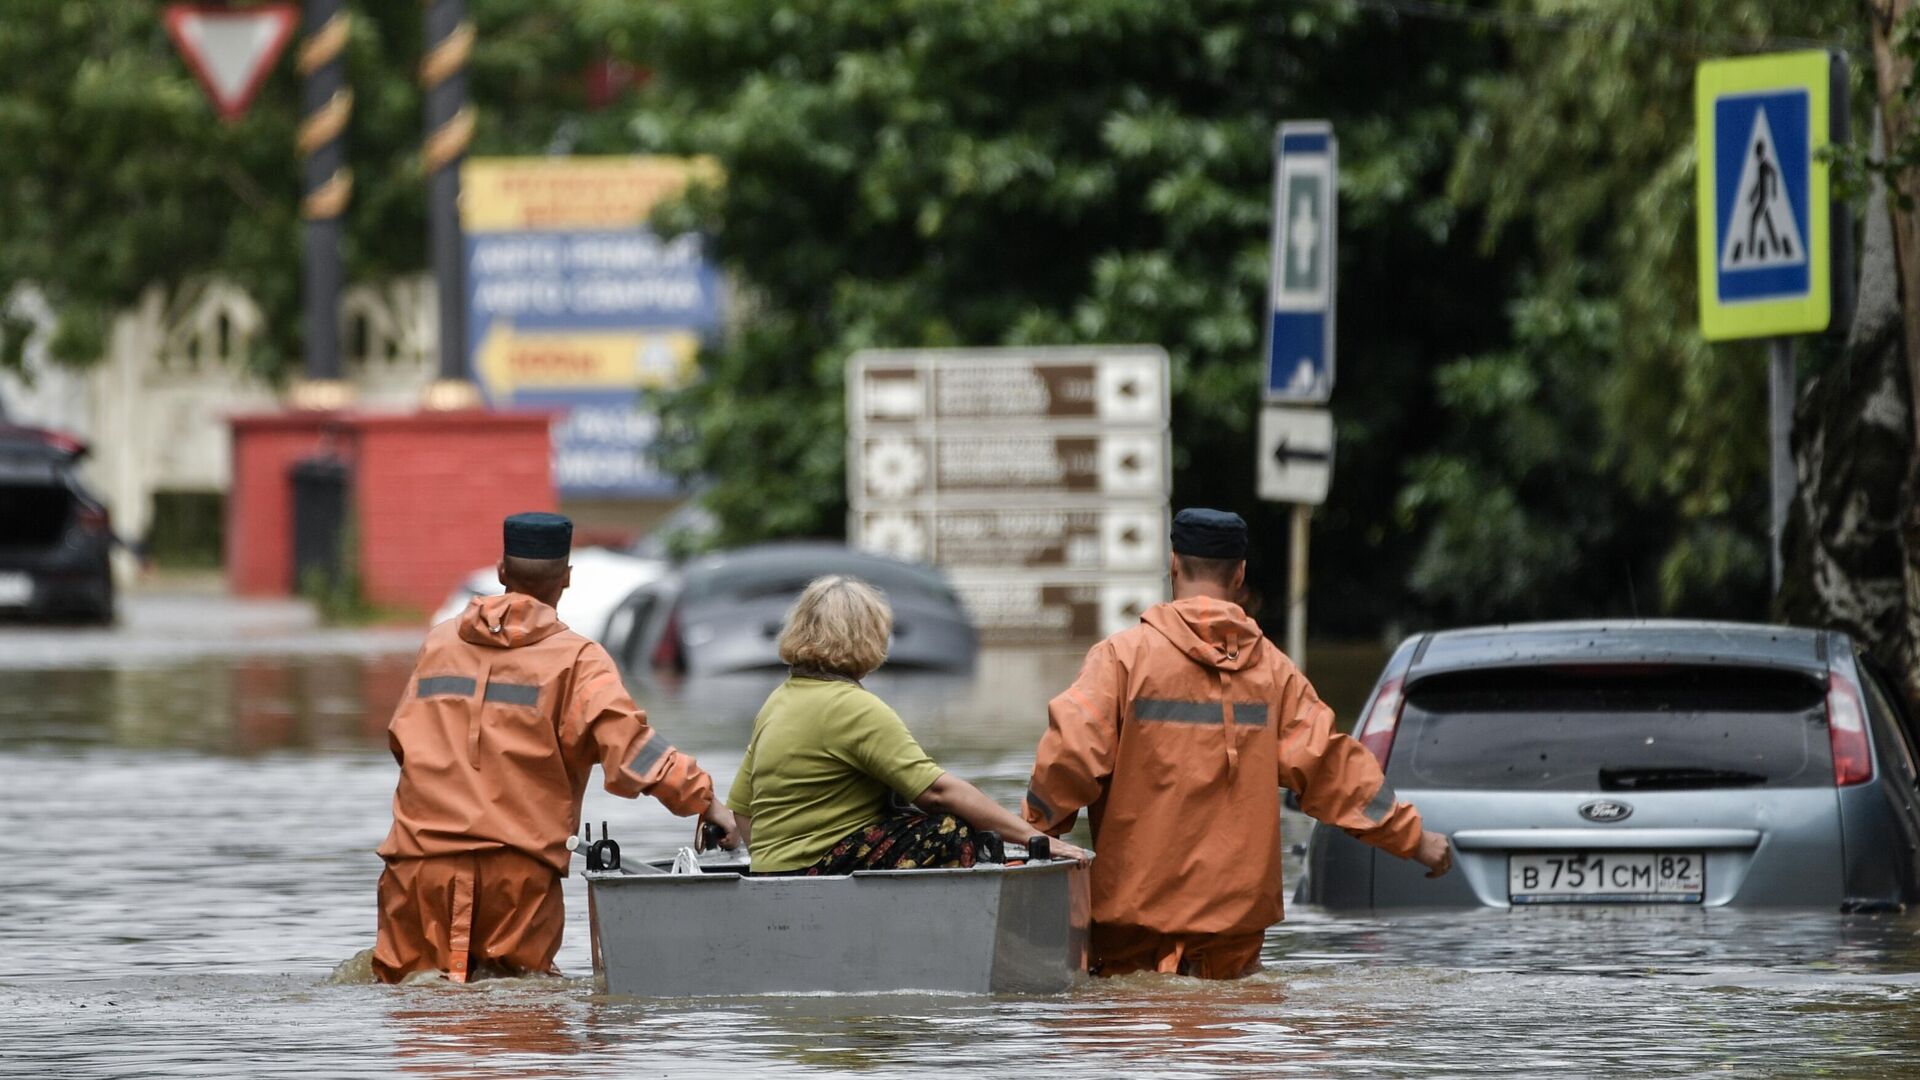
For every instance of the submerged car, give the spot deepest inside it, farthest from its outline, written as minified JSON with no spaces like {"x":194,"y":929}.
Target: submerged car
{"x":601,"y":580}
{"x":1639,"y":763}
{"x":55,"y":537}
{"x":722,"y":613}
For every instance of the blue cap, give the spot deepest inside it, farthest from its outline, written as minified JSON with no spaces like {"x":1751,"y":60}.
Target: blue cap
{"x":1209,"y":534}
{"x":538,"y":536}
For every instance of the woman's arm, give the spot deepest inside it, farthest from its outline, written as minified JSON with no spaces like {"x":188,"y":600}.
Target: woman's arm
{"x":952,"y":795}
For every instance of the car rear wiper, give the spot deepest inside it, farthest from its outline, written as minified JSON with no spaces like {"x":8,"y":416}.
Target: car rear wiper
{"x":1674,"y":778}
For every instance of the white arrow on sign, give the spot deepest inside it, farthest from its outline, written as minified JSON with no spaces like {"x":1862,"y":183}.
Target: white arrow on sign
{"x":230,"y":50}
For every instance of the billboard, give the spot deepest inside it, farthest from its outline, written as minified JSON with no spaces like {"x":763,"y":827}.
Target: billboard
{"x":574,"y":304}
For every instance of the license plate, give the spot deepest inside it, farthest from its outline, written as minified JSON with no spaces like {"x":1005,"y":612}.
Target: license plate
{"x":1621,"y":877}
{"x":16,"y":590}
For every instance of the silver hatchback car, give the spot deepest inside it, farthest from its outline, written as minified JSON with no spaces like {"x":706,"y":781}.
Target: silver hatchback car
{"x":1635,"y":763}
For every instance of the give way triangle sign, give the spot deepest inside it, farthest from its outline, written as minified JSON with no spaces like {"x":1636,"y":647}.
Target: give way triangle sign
{"x":230,"y":49}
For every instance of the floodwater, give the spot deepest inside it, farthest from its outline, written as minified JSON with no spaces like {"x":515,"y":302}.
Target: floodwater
{"x":187,"y":819}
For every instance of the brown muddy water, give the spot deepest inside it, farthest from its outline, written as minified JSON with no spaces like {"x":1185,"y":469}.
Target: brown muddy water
{"x":187,"y":824}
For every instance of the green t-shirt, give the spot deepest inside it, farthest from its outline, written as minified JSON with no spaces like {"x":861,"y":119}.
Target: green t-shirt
{"x":822,"y":758}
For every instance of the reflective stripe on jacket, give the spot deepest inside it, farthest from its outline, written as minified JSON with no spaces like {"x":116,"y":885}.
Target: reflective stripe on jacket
{"x":1177,"y":737}
{"x":505,"y":717}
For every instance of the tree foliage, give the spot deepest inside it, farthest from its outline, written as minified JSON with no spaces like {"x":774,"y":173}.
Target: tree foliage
{"x":943,"y":172}
{"x":1529,"y":424}
{"x":117,"y":173}
{"x":1642,"y":486}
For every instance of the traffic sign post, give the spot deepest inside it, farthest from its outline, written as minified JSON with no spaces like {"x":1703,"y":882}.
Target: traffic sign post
{"x":1765,"y":224}
{"x":1300,"y":310}
{"x":1296,"y":455}
{"x":1295,"y":459}
{"x":1037,"y":477}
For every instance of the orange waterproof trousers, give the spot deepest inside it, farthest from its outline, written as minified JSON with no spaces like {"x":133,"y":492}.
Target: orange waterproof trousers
{"x":1123,"y":950}
{"x":483,"y":911}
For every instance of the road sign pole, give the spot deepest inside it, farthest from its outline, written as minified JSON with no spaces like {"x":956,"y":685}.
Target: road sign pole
{"x":1297,"y":586}
{"x":327,"y":184}
{"x":449,"y":124}
{"x":1781,"y":390}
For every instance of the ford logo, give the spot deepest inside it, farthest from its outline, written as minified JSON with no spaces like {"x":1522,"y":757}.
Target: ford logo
{"x":1606,"y":810}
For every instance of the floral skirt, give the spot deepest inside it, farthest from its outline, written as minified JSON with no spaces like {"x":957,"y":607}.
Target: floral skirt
{"x":900,"y":842}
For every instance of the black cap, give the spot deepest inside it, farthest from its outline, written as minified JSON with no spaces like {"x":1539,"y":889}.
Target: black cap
{"x":1209,"y":534}
{"x":538,"y":536}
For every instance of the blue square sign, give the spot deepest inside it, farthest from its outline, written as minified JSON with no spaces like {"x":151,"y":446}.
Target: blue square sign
{"x":1762,"y":170}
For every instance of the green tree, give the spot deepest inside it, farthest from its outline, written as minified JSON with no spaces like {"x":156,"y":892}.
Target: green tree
{"x":1628,"y":472}
{"x":118,"y":175}
{"x":945,"y":172}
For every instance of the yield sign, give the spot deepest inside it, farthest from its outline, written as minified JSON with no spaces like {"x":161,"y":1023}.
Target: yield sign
{"x":230,"y":49}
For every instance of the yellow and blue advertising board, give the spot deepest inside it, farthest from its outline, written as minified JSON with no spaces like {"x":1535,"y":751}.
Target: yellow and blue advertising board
{"x":573,"y":304}
{"x":1764,"y":217}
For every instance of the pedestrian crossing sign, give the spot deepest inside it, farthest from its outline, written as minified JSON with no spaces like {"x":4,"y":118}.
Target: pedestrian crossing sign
{"x":1763,"y":214}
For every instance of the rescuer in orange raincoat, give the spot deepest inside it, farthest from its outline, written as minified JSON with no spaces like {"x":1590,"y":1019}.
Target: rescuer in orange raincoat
{"x":506,"y":714}
{"x":1177,"y":737}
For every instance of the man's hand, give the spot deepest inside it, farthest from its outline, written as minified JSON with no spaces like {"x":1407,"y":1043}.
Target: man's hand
{"x":720,"y":817}
{"x":1060,"y":849}
{"x":1435,"y":853}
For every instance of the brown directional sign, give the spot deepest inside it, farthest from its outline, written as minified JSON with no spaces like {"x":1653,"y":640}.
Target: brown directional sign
{"x":1031,"y":612}
{"x":995,"y":465}
{"x":1109,"y":386}
{"x":1107,"y":538}
{"x":1037,"y":476}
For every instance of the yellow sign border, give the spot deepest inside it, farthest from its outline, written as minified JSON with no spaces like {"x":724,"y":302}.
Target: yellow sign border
{"x":1808,"y":71}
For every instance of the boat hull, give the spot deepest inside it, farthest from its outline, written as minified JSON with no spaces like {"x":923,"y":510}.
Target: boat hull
{"x":986,"y":929}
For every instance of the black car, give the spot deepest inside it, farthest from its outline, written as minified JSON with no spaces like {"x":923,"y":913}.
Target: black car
{"x":55,"y":537}
{"x":721,"y":613}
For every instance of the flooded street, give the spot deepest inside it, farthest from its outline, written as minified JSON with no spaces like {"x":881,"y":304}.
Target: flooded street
{"x":187,"y":827}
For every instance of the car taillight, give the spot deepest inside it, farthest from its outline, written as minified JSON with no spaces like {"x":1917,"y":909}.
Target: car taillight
{"x":94,"y":520}
{"x":1382,"y":720}
{"x":1847,"y":729}
{"x":666,"y":655}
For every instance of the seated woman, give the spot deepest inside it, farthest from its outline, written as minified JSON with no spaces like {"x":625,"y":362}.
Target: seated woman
{"x":812,"y":796}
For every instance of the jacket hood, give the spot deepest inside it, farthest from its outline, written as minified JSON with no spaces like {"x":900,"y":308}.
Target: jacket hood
{"x":508,"y":621}
{"x":1215,"y":633}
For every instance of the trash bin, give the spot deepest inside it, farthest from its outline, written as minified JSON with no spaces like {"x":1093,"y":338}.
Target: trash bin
{"x":319,"y":521}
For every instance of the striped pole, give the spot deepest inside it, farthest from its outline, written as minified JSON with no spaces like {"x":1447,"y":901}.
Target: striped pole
{"x":327,"y":185}
{"x":449,"y":125}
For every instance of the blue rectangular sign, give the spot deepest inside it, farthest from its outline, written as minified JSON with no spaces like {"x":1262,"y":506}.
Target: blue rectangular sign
{"x":1762,"y":170}
{"x":1304,"y":264}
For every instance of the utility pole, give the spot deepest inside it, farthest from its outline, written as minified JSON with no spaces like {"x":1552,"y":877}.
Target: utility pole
{"x":449,"y":127}
{"x":1297,"y":586}
{"x":326,"y":187}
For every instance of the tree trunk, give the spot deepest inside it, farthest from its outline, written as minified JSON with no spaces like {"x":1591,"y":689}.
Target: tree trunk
{"x":1893,"y":73}
{"x":1852,"y":441}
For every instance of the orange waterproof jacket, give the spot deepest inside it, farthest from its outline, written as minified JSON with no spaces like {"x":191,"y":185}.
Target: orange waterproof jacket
{"x":1178,"y":735}
{"x":505,"y":716}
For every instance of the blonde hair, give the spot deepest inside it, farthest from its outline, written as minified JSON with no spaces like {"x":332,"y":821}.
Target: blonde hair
{"x":839,"y":624}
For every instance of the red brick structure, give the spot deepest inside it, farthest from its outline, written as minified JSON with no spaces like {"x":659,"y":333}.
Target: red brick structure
{"x":428,"y":491}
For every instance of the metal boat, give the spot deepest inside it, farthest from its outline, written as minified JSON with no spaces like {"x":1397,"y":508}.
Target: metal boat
{"x":1018,"y":927}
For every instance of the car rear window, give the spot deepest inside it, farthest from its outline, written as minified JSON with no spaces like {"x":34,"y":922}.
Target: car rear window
{"x":1625,"y":729}
{"x":762,"y":580}
{"x":33,"y":514}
